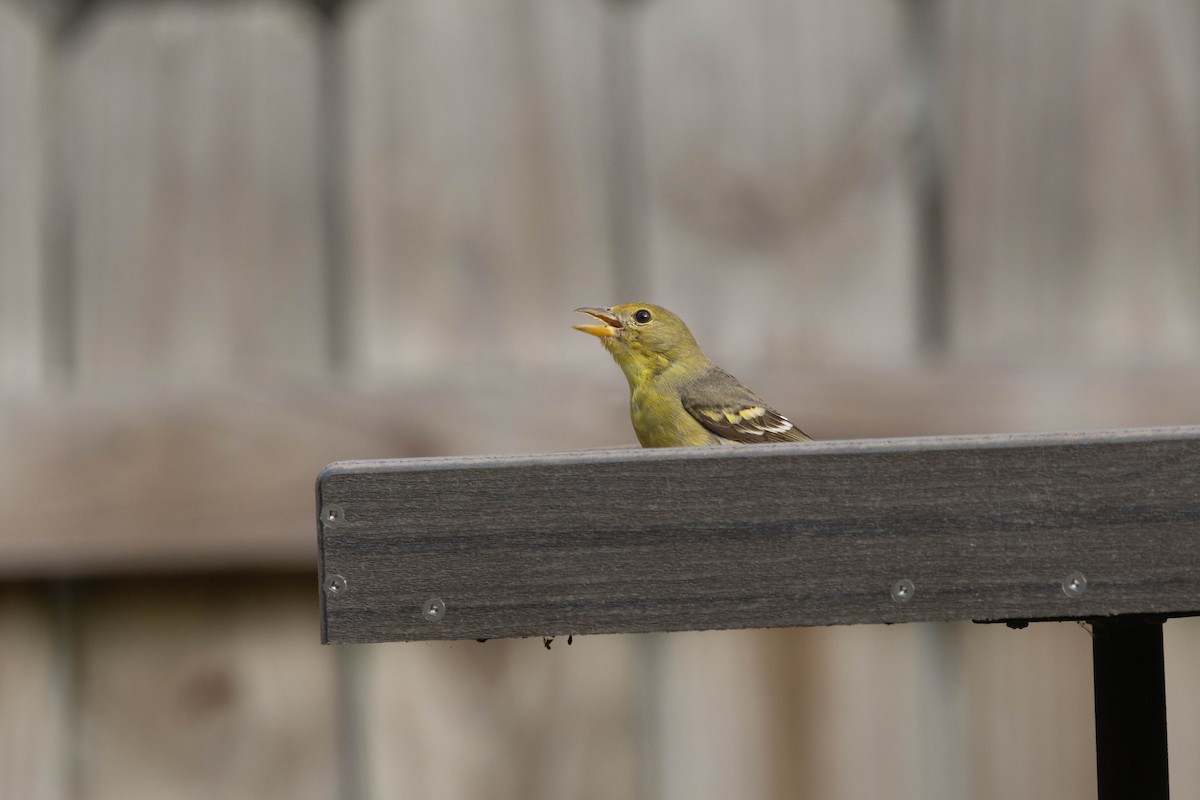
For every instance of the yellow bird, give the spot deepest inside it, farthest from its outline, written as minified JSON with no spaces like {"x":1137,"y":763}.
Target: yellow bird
{"x":677,"y":397}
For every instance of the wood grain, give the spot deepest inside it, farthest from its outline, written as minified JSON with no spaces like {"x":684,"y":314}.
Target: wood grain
{"x":1023,"y":700}
{"x":1072,"y":141}
{"x":985,"y":527}
{"x":35,"y":731}
{"x":716,"y":747}
{"x":477,"y":195}
{"x":1181,"y":653}
{"x":154,"y":482}
{"x":204,"y":688}
{"x":507,"y":720}
{"x":193,"y":190}
{"x":23,"y":49}
{"x":779,"y":209}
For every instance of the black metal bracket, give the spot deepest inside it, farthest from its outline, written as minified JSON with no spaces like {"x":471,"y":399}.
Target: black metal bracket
{"x":1131,"y":708}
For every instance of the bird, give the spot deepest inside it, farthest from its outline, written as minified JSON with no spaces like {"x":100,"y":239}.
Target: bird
{"x":677,"y":397}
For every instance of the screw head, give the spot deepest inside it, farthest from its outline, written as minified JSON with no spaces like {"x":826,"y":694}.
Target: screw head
{"x":433,"y":609}
{"x":335,"y":585}
{"x":903,"y":590}
{"x":332,"y":514}
{"x":1074,"y":584}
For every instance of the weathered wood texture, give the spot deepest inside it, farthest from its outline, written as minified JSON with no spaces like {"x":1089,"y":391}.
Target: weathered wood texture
{"x":1181,"y":654}
{"x":778,"y":207}
{"x":22,"y":140}
{"x":1072,"y":150}
{"x":164,"y":483}
{"x":943,"y":710}
{"x":195,"y":227}
{"x":201,"y":689}
{"x":813,"y":534}
{"x":35,"y":695}
{"x":476,"y":192}
{"x":506,"y":720}
{"x":727,"y":753}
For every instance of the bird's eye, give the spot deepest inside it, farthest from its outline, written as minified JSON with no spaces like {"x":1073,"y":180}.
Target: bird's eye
{"x":642,"y":316}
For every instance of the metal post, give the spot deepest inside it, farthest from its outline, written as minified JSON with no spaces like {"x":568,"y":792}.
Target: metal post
{"x":1131,"y":708}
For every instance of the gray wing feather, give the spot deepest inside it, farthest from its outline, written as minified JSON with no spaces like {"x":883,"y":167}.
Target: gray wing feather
{"x":727,"y":408}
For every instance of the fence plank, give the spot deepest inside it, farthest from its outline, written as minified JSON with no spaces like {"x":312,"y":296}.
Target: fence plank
{"x":204,"y":689}
{"x":505,"y":720}
{"x":1010,"y":685}
{"x":35,"y":735}
{"x":22,"y":54}
{"x":868,"y":709}
{"x":717,"y":734}
{"x":196,"y":230}
{"x":780,"y":217}
{"x":476,"y":194}
{"x":1181,"y":651}
{"x":187,"y":482}
{"x":1073,"y":168}
{"x":984,"y":527}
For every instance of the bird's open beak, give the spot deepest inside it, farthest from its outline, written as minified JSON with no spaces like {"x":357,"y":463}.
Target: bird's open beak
{"x":611,"y":327}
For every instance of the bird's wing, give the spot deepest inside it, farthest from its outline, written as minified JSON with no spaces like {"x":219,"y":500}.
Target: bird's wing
{"x":718,"y":402}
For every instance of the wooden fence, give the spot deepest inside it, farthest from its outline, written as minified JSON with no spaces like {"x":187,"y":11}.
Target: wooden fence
{"x":241,"y":240}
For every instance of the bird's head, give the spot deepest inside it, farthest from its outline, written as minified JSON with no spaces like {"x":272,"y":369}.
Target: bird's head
{"x":643,"y":338}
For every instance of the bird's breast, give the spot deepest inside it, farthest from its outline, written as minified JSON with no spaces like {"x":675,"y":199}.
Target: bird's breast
{"x":660,"y":420}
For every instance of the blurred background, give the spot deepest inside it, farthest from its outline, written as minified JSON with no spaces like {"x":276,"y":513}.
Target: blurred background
{"x":243,"y":238}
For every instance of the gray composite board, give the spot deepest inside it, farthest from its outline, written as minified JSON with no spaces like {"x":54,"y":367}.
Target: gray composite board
{"x":815,"y":533}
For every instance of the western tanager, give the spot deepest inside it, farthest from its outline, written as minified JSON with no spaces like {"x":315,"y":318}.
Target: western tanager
{"x":677,"y":397}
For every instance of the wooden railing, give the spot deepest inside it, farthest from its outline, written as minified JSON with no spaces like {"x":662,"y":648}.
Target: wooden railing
{"x":1099,"y":527}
